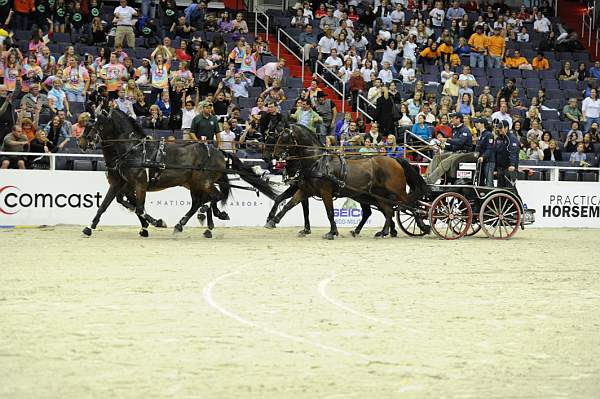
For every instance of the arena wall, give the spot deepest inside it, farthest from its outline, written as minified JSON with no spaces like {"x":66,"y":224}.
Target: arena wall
{"x":34,"y":198}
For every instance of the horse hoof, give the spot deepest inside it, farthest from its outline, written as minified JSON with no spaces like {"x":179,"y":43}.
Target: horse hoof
{"x":87,"y":232}
{"x":161,"y":224}
{"x":380,"y":234}
{"x":354,"y":233}
{"x":207,"y":234}
{"x":177,"y":229}
{"x":270,"y":224}
{"x":394,"y":234}
{"x":144,"y":233}
{"x":329,"y":236}
{"x":223,"y":216}
{"x":303,"y":233}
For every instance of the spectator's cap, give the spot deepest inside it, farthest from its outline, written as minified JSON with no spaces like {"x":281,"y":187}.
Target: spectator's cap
{"x":206,"y":104}
{"x":320,"y":94}
{"x":146,"y":59}
{"x":572,"y":99}
{"x":456,"y":115}
{"x":505,"y":124}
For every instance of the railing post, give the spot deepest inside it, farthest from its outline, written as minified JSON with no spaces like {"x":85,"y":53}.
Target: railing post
{"x":52,"y":162}
{"x":343,"y":97}
{"x":278,"y":41}
{"x":583,"y":26}
{"x":267,"y":33}
{"x":256,"y":22}
{"x":304,"y":60}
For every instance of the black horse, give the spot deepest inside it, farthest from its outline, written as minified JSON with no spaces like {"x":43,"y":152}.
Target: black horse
{"x":373,"y":181}
{"x":138,"y":163}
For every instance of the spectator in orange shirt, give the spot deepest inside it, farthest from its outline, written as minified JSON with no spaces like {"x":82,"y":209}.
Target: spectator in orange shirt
{"x":24,"y":10}
{"x":477,"y":44}
{"x":539,"y":62}
{"x":430,"y":55}
{"x":496,"y":46}
{"x":517,"y":61}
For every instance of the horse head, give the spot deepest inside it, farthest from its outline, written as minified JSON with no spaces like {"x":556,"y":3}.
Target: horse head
{"x":285,"y":143}
{"x":93,"y":133}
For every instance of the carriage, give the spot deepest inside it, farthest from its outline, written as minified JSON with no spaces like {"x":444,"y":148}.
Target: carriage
{"x":457,"y":210}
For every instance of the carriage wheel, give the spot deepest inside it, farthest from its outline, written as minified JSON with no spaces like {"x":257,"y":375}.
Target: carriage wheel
{"x":500,"y":216}
{"x":475,"y":227}
{"x":408,"y":224}
{"x":450,"y":216}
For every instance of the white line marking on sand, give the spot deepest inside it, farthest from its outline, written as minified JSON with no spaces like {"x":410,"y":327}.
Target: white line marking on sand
{"x":208,"y":297}
{"x":323,"y":292}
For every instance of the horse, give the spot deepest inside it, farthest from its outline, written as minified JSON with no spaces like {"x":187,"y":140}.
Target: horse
{"x":373,"y":181}
{"x":141,"y":164}
{"x":270,"y":140}
{"x":292,"y":168}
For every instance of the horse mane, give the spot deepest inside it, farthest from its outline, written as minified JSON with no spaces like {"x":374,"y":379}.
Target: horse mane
{"x":308,"y":134}
{"x":135,"y":126}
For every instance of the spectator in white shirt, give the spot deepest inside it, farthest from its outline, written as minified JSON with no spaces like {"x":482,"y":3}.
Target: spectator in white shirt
{"x":408,"y":52}
{"x":590,"y":108}
{"x":333,"y":62}
{"x":390,"y":54}
{"x":408,"y":72}
{"x":466,"y":79}
{"x":386,"y":74}
{"x":541,"y":24}
{"x":503,"y":115}
{"x":437,"y":14}
{"x":124,"y":20}
{"x":374,"y":92}
{"x":397,"y":15}
{"x":326,"y":43}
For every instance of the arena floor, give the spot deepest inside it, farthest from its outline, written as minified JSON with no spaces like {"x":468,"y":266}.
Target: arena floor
{"x":258,"y":313}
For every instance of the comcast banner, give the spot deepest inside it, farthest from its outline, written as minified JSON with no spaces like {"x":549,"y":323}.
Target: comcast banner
{"x":38,"y":197}
{"x":562,"y":204}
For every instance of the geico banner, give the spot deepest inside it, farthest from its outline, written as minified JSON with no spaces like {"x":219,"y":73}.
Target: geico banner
{"x":61,"y":197}
{"x":562,"y":204}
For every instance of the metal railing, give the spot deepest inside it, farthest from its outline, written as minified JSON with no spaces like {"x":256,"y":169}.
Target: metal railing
{"x":322,"y":75}
{"x":588,"y":21}
{"x":597,"y":40}
{"x":53,"y":156}
{"x":301,"y":58}
{"x":363,"y":111}
{"x":414,"y":137}
{"x":263,"y":25}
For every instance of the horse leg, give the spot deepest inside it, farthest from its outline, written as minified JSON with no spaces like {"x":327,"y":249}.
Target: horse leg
{"x":140,"y":202}
{"x":127,"y":200}
{"x":113,"y":189}
{"x":388,"y":212}
{"x":393,"y":231}
{"x":288,"y":193}
{"x":305,"y":211}
{"x":366,"y":214}
{"x":219,"y":214}
{"x":327,"y":196}
{"x":298,"y":197}
{"x":195,"y":205}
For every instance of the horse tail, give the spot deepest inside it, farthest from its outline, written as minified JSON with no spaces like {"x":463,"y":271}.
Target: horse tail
{"x":413,"y":178}
{"x":248,"y":175}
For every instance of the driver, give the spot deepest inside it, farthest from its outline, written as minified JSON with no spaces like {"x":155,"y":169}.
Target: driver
{"x":457,"y":149}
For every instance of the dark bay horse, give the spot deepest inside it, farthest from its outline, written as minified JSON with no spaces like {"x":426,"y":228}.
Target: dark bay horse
{"x":196,"y":166}
{"x":377,"y":180}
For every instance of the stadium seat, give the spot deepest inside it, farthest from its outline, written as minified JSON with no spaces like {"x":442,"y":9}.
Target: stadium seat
{"x":82,"y":164}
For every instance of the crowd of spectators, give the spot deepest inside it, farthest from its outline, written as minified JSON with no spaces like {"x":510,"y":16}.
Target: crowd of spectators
{"x":193,"y":72}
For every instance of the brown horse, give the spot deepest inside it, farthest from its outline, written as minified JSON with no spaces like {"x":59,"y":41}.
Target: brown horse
{"x":376,"y":180}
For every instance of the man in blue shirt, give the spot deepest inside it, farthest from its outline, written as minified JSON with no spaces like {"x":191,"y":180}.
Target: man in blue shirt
{"x":595,"y":70}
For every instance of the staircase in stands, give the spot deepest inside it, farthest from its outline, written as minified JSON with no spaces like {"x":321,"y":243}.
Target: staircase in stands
{"x":296,"y":71}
